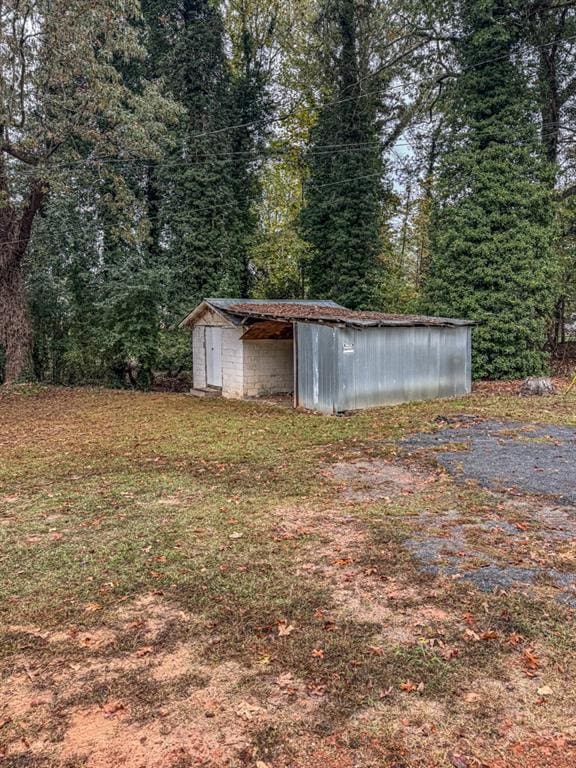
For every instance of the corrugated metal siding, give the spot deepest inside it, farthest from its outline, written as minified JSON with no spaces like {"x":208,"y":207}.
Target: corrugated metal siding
{"x":381,"y":366}
{"x":316,"y":366}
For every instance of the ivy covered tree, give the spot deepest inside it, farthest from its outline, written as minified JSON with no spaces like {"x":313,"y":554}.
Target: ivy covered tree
{"x":341,"y":218}
{"x":207,"y":184}
{"x":251,"y":28}
{"x":492,"y":219}
{"x":198,"y":206}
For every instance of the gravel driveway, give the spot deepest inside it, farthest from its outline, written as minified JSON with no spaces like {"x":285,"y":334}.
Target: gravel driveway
{"x":530,"y":458}
{"x":506,"y":457}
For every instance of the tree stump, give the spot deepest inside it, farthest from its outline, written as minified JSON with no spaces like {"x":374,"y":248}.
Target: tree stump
{"x":537,"y":385}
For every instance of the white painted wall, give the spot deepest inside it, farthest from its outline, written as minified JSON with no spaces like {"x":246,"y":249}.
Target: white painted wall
{"x":249,"y":368}
{"x":232,"y":363}
{"x":198,"y":357}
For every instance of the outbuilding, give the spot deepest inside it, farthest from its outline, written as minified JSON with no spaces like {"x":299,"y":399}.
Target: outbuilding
{"x":331,"y":358}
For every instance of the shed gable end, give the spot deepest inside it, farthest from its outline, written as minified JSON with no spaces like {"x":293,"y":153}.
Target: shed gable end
{"x":210,"y":317}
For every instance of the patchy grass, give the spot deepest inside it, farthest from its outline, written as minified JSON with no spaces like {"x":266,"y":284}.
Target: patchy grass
{"x":188,"y":582}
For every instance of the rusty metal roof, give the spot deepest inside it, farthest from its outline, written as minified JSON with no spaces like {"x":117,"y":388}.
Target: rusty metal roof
{"x":333,"y":314}
{"x":222,"y":306}
{"x":245,"y":311}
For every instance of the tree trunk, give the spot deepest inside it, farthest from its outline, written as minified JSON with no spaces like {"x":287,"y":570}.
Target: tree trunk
{"x":14,"y":322}
{"x":15,"y":232}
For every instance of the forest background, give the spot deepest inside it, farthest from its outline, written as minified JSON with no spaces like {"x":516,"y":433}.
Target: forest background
{"x":401,"y":156}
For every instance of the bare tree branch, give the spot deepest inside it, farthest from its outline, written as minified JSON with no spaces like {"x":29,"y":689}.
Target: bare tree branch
{"x":19,"y":154}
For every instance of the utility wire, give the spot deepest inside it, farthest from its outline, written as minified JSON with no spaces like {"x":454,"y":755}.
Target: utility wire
{"x":288,"y":115}
{"x":317,"y":150}
{"x":400,"y":86}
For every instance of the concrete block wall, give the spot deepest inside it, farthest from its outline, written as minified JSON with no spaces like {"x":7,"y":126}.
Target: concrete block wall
{"x":232,"y":362}
{"x":268,"y":367}
{"x":198,"y":357}
{"x":249,"y":368}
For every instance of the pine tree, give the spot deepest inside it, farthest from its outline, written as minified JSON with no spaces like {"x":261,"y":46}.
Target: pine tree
{"x":493,"y":216}
{"x":343,"y":197}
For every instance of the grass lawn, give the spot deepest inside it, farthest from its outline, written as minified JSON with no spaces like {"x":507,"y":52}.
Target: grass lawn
{"x":213,"y":583}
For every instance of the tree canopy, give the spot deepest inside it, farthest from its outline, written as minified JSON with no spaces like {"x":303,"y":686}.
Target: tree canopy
{"x":400,"y":156}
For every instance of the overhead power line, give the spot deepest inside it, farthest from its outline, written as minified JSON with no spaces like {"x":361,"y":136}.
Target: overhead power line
{"x":293,"y":112}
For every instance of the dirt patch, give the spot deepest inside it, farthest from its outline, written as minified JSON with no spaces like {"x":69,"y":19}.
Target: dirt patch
{"x":95,"y":638}
{"x":212,"y":726}
{"x":150,"y":615}
{"x":371,"y":479}
{"x":93,"y":709}
{"x":101,"y":741}
{"x":177,"y":662}
{"x":401,"y":606}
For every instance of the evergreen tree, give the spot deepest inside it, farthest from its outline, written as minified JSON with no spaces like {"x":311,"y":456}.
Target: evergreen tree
{"x":64,"y":286}
{"x":95,"y":296}
{"x":343,"y":197}
{"x":198,"y":206}
{"x":492,"y":216}
{"x":250,"y":25}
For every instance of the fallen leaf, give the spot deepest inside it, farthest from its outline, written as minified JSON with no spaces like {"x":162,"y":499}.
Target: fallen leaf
{"x":459,"y":761}
{"x":135,"y":624}
{"x":285,"y":680}
{"x":285,"y":629}
{"x":449,"y":653}
{"x":318,"y":653}
{"x":530,"y":659}
{"x":545,"y":690}
{"x":472,"y":697}
{"x":343,"y":561}
{"x":92,"y":607}
{"x":248,"y":711}
{"x":236,"y":535}
{"x":409,"y":686}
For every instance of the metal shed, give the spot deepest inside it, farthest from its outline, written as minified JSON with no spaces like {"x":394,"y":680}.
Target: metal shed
{"x":333,"y":359}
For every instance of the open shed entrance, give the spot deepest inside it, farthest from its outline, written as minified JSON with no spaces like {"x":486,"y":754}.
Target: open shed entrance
{"x":268,"y":358}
